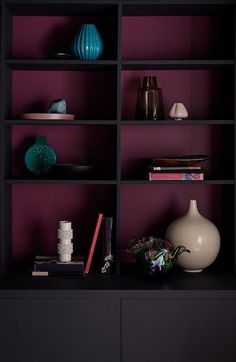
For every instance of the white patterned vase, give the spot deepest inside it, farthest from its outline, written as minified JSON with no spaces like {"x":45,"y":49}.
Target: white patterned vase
{"x":64,"y":246}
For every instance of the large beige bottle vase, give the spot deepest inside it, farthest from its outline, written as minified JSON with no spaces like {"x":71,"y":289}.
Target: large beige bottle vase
{"x":199,"y":235}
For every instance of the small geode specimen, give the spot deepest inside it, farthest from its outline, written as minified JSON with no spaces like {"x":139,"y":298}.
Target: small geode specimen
{"x":57,"y":106}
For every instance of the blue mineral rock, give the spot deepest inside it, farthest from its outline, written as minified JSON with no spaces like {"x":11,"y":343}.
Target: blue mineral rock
{"x":57,"y":106}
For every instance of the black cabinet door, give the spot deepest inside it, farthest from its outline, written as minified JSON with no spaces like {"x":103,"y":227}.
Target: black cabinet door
{"x":190,"y":330}
{"x":78,"y":330}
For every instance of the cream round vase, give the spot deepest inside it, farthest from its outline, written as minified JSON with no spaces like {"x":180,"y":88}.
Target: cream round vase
{"x":197,"y":234}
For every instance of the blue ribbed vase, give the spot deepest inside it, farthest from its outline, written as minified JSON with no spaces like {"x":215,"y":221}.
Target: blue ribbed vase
{"x":88,"y":43}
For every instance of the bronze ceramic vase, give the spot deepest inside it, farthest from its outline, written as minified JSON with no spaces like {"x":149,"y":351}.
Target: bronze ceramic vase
{"x":149,"y":100}
{"x":197,"y":234}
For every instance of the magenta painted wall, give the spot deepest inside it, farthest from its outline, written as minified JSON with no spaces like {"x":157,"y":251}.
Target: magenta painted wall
{"x":87,"y":145}
{"x":148,"y":209}
{"x":37,"y":209}
{"x":199,"y":90}
{"x":38,"y":36}
{"x":89,"y":95}
{"x":147,"y":141}
{"x":170,"y":37}
{"x":145,"y":209}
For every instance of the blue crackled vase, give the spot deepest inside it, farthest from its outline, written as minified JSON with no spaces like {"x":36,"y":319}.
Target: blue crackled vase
{"x":88,"y":43}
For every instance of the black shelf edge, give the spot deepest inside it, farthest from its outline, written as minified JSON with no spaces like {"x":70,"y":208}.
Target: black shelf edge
{"x":171,"y":182}
{"x":70,"y":64}
{"x":177,"y":123}
{"x":209,"y":281}
{"x":176,"y":64}
{"x":176,"y":7}
{"x":57,"y":122}
{"x":98,"y":8}
{"x":16,"y":180}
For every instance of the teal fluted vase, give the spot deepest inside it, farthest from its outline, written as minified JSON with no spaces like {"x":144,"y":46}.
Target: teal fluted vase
{"x":88,"y":43}
{"x":40,"y":157}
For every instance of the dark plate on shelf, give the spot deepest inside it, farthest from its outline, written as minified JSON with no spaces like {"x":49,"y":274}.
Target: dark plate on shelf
{"x":62,"y":169}
{"x":188,"y":160}
{"x":61,"y":55}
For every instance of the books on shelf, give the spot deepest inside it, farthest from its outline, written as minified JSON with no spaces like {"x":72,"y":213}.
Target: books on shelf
{"x":153,"y":168}
{"x":47,"y":265}
{"x":185,"y":168}
{"x":107,"y":257}
{"x":175,"y":176}
{"x":93,"y":243}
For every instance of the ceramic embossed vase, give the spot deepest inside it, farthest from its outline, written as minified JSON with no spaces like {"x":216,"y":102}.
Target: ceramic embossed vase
{"x":88,"y":43}
{"x":199,"y":235}
{"x":40,"y":157}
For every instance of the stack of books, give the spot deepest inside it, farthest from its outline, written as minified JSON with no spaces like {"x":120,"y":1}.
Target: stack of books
{"x":178,"y":168}
{"x":47,"y":265}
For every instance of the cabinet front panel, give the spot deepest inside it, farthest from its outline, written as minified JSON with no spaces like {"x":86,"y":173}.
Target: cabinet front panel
{"x":164,"y":330}
{"x":59,"y":330}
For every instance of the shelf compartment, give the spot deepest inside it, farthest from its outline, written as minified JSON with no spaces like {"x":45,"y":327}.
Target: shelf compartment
{"x":53,"y":64}
{"x":207,"y":94}
{"x":38,"y":35}
{"x":200,"y":36}
{"x":216,"y":141}
{"x":87,"y":145}
{"x":147,"y":211}
{"x":89,"y":95}
{"x":37,"y":209}
{"x":176,"y":64}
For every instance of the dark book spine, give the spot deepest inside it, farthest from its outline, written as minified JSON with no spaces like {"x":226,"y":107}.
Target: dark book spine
{"x":78,"y":268}
{"x":38,"y":273}
{"x":107,"y":257}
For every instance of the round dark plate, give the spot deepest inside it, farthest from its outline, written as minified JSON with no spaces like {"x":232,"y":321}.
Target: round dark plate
{"x":61,"y":55}
{"x":71,"y":168}
{"x":189,"y":160}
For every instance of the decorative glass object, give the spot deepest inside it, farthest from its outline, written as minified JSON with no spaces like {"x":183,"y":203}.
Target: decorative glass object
{"x":149,"y":100}
{"x":199,"y":235}
{"x":155,"y":255}
{"x":40,"y":157}
{"x":88,"y":43}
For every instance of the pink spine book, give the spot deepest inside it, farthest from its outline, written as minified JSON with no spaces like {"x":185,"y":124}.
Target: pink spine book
{"x":93,"y":243}
{"x":175,"y":176}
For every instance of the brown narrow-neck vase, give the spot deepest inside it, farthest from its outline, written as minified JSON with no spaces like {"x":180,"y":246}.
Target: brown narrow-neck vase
{"x":149,"y":100}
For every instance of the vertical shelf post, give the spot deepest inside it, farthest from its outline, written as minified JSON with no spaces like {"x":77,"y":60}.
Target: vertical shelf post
{"x":118,"y":160}
{"x":5,"y":142}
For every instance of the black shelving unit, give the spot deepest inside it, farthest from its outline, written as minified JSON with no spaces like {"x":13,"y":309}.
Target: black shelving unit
{"x":223,"y":60}
{"x":115,"y":311}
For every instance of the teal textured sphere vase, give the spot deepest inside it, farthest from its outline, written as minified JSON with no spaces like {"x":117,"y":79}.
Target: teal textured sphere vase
{"x":88,"y":43}
{"x":40,"y":157}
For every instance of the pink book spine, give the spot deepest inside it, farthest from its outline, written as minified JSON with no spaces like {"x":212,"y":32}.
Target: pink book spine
{"x":93,"y":243}
{"x":175,"y":176}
